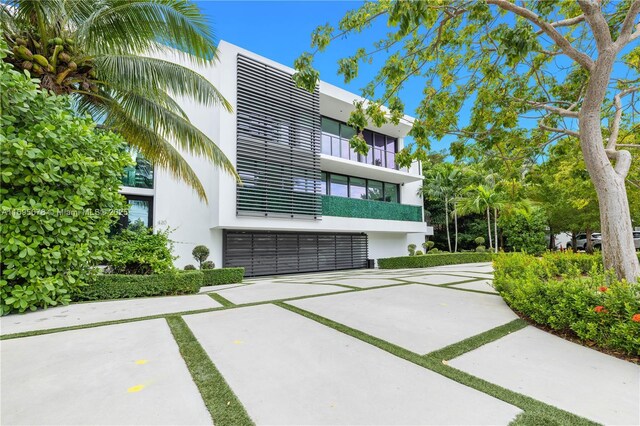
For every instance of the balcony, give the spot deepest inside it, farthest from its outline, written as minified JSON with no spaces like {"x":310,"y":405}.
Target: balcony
{"x":368,"y":209}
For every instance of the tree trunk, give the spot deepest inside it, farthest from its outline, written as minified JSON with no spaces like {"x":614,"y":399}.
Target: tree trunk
{"x":588,"y":246}
{"x":574,"y":241}
{"x":552,"y":240}
{"x":615,"y":219}
{"x":446,"y":220}
{"x":455,"y":225}
{"x":495,"y":227}
{"x":489,"y":228}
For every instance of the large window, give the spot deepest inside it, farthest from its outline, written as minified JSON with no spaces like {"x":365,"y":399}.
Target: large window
{"x":139,"y":175}
{"x":355,"y":187}
{"x":335,"y":141}
{"x":140,"y":211}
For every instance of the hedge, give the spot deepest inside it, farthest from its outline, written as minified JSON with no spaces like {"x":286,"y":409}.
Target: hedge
{"x":428,"y":260}
{"x":222,"y":276}
{"x":116,"y":286}
{"x":571,"y":293}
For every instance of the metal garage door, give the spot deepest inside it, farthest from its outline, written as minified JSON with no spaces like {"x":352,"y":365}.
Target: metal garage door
{"x":270,"y":253}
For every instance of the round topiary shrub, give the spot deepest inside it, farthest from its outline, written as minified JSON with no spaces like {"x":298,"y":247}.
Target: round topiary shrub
{"x":190,"y":268}
{"x":208,"y":264}
{"x":479,"y":241}
{"x":60,"y":181}
{"x":419,"y":253}
{"x":412,"y":249}
{"x":428,"y":245}
{"x":481,"y":249}
{"x":434,"y":251}
{"x":200,"y":254}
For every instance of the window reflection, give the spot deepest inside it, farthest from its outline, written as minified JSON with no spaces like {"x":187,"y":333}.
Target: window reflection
{"x":359,"y":188}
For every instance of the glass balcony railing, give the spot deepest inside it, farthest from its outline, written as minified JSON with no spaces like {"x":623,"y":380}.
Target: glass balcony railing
{"x":368,"y":209}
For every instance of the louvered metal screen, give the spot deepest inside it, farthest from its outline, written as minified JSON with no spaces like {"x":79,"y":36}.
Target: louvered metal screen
{"x":278,"y":146}
{"x":271,"y":253}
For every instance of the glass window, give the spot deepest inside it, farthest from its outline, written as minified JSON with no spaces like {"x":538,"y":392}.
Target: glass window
{"x":141,"y":174}
{"x":326,"y":144}
{"x":347,"y":132}
{"x":391,"y":160}
{"x":358,"y":188}
{"x":374,"y":190}
{"x":335,"y":147}
{"x":346,"y":148}
{"x":140,"y":212}
{"x":391,"y":192}
{"x":378,"y":157}
{"x":379,"y":140}
{"x":391,"y":144}
{"x":330,"y":126}
{"x":323,"y":183}
{"x":339,"y":185}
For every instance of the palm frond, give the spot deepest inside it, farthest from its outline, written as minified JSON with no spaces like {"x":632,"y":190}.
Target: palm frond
{"x":145,"y":74}
{"x":136,"y":26}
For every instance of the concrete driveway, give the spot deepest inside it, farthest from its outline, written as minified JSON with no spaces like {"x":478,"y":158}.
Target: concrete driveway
{"x":413,"y":346}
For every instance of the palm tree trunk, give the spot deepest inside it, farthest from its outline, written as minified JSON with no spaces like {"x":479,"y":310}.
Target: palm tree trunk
{"x":489,"y":228}
{"x":495,"y":227}
{"x":446,"y":220}
{"x":455,"y":224}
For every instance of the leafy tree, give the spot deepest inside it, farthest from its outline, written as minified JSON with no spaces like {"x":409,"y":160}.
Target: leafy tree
{"x":101,"y":53}
{"x":509,"y":60}
{"x":59,"y":192}
{"x":525,"y":231}
{"x":483,"y":198}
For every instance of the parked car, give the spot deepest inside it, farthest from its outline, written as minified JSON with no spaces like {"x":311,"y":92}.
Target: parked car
{"x":636,"y":239}
{"x":581,"y":241}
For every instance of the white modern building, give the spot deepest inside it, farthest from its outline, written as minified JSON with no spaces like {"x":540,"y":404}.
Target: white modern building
{"x":307,"y":202}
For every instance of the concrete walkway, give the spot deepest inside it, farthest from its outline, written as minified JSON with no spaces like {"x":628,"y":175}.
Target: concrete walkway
{"x":354,"y":357}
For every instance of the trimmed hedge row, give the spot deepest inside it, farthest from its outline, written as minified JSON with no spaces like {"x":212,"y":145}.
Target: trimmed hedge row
{"x":117,"y":286}
{"x":571,"y":293}
{"x":222,"y":276}
{"x":428,"y":260}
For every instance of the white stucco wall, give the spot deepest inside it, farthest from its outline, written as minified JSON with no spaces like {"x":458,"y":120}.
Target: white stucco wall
{"x":193,"y":222}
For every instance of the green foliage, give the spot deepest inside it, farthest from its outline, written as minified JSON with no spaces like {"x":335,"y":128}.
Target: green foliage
{"x":223,"y":276}
{"x":571,"y":293}
{"x":419,"y":253}
{"x":116,"y":286}
{"x":428,"y":245}
{"x":137,"y":250}
{"x":481,"y":249}
{"x":200,"y":254}
{"x":432,"y":260}
{"x":207,"y":264}
{"x":190,"y":268}
{"x":369,"y":209}
{"x":525,"y":232}
{"x":412,"y":249}
{"x":479,"y":241}
{"x":59,"y":192}
{"x":98,"y":52}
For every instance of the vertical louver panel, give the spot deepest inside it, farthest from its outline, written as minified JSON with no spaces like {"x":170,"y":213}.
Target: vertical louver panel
{"x":278,"y":146}
{"x":271,"y":253}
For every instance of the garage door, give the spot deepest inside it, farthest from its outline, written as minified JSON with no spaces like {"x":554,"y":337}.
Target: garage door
{"x":270,"y":253}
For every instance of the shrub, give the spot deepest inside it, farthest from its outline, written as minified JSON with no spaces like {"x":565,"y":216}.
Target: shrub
{"x":571,"y":293}
{"x":419,"y":253}
{"x":117,"y":286}
{"x":428,"y":245}
{"x":222,"y":276}
{"x":60,"y":181}
{"x":412,"y":249}
{"x":481,"y":249}
{"x":137,"y":250}
{"x":525,"y":232}
{"x":479,"y":241}
{"x":189,"y":268}
{"x":433,"y":251}
{"x":432,"y":260}
{"x":200,"y":254}
{"x":208,"y":264}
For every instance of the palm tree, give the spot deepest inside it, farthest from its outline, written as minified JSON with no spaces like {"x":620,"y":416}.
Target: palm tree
{"x":101,"y":53}
{"x":484,"y":199}
{"x":443,"y":182}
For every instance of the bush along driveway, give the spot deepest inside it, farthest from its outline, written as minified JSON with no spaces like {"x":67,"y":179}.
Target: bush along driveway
{"x":403,"y":346}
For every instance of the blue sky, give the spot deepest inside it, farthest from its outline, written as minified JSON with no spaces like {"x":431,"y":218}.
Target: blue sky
{"x":281,"y":31}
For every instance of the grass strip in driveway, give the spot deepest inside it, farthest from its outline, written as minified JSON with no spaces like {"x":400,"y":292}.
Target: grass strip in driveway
{"x":221,"y":300}
{"x":534,"y":409}
{"x":474,"y":342}
{"x":222,"y":403}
